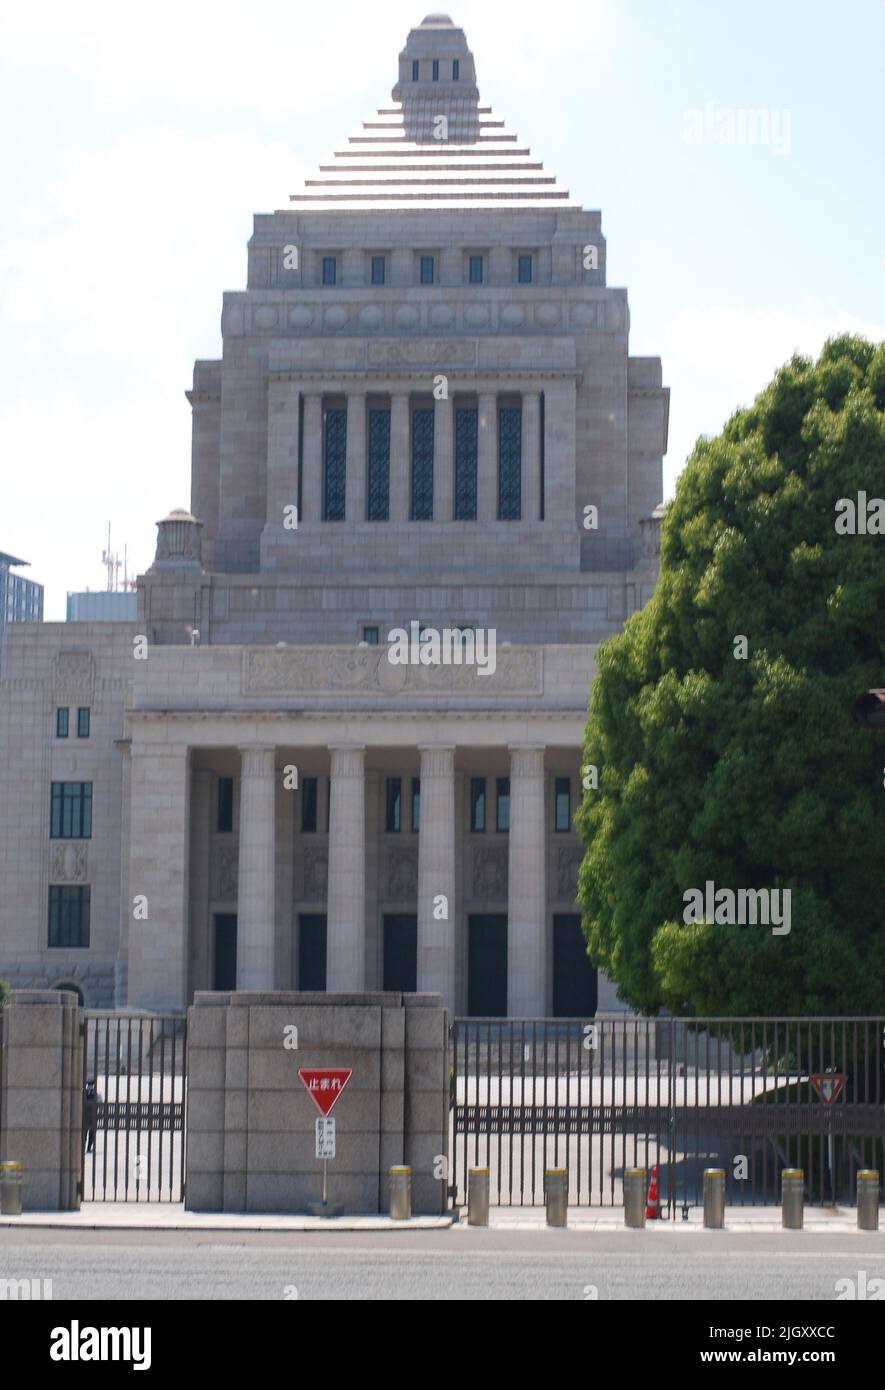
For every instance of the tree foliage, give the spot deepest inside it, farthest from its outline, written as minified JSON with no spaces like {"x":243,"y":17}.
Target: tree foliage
{"x":751,"y":773}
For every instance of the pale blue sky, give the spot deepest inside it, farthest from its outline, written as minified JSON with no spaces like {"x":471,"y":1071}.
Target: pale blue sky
{"x":138,"y":141}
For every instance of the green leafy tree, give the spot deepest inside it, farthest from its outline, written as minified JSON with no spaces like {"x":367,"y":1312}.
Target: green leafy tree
{"x":751,"y":773}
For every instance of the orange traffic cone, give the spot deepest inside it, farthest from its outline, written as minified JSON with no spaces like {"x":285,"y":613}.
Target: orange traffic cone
{"x":653,"y":1209}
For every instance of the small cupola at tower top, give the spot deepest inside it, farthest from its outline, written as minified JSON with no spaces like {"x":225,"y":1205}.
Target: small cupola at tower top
{"x":436,"y":63}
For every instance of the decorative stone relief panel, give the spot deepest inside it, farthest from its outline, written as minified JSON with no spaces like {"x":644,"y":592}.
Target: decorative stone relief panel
{"x":569,"y":864}
{"x":316,"y":873}
{"x":402,"y":874}
{"x":367,"y":670}
{"x":74,"y":673}
{"x":69,"y":863}
{"x":432,"y":350}
{"x":490,"y":873}
{"x":225,"y":872}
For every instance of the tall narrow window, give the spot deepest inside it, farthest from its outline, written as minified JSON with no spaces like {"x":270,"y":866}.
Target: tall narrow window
{"x":62,"y":722}
{"x":475,"y":270}
{"x":563,"y":804}
{"x":466,"y":442}
{"x":224,"y":822}
{"x":426,"y":270}
{"x":69,"y":917}
{"x":456,"y":69}
{"x":378,"y":506}
{"x":422,"y":464}
{"x":309,"y":786}
{"x":510,"y":463}
{"x":477,"y":804}
{"x":394,"y":809}
{"x":378,"y":270}
{"x":330,"y":270}
{"x":502,"y":809}
{"x":436,"y":69}
{"x":82,"y":723}
{"x":416,"y":805}
{"x":371,"y":636}
{"x":335,"y":465}
{"x":71,"y":811}
{"x":415,"y":69}
{"x":525,"y":270}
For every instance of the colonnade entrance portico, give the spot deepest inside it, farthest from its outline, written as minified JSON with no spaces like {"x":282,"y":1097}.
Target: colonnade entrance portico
{"x":405,"y":863}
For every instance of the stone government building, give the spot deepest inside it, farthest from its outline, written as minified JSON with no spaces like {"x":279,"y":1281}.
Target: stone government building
{"x":424,"y":365}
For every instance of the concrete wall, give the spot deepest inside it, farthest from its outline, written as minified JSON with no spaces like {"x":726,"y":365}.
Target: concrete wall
{"x":251,"y":1122}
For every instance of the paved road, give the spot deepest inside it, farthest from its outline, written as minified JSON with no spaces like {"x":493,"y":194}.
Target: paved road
{"x":440,"y":1265}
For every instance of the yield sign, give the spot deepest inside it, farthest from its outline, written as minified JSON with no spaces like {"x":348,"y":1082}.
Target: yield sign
{"x":828,"y":1085}
{"x":324,"y":1085}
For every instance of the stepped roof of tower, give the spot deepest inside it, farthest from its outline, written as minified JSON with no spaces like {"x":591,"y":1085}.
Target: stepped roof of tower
{"x":433,"y":146}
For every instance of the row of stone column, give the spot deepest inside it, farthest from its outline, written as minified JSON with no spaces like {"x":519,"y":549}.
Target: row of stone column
{"x":437,"y":884}
{"x":283,"y":411}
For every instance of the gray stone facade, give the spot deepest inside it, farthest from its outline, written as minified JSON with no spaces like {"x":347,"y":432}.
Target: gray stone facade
{"x":425,"y":411}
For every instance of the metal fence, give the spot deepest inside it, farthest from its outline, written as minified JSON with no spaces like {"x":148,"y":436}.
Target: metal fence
{"x":134,"y":1095}
{"x":596,"y":1096}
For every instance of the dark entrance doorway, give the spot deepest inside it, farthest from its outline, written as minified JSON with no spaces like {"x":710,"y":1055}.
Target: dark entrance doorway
{"x":312,"y":951}
{"x":487,"y":965}
{"x":225,"y":973}
{"x":401,"y":952}
{"x":575,"y":982}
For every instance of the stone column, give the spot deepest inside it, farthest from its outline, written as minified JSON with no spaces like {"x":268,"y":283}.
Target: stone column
{"x":526,"y":886}
{"x":444,"y":460}
{"x":346,"y":910}
{"x":255,"y":898}
{"x":357,"y":458}
{"x":121,"y":965}
{"x":282,"y":455}
{"x":312,"y":478}
{"x":560,"y":408}
{"x":436,"y":874}
{"x":158,"y":876}
{"x":531,"y":455}
{"x":203,"y":784}
{"x":400,"y":457}
{"x":487,"y":460}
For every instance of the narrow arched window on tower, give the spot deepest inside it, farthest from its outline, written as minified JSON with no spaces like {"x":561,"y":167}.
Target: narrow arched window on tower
{"x":414,"y":69}
{"x":436,"y":69}
{"x":456,"y":70}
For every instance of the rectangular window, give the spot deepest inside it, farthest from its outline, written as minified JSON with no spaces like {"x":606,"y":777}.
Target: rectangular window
{"x":466,"y":448}
{"x":378,"y":270}
{"x":422,"y":464}
{"x":502,"y":809}
{"x":224,"y":822}
{"x":335,"y":465}
{"x":330,"y":270}
{"x":563,"y":804}
{"x":456,"y":69}
{"x":477,"y":803}
{"x":371,"y":636}
{"x":69,"y":916}
{"x":416,"y":805}
{"x":510,"y":463}
{"x":525,"y":270}
{"x":475,"y":271}
{"x":309,"y":789}
{"x":378,"y":502}
{"x":415,"y":69}
{"x":426,"y":270}
{"x":62,"y":723}
{"x":71,"y":811}
{"x":436,"y":69}
{"x":82,"y":723}
{"x":394,"y":812}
